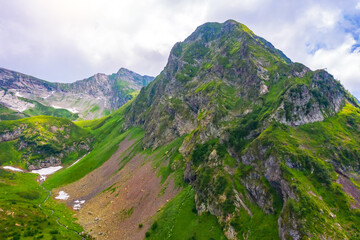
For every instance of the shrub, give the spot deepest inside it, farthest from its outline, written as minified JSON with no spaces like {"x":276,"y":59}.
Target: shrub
{"x":31,"y":195}
{"x":140,"y":225}
{"x":147,"y":234}
{"x":154,"y":226}
{"x":54,"y":231}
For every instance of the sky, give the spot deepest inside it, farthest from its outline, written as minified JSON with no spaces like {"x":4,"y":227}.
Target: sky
{"x":68,"y":40}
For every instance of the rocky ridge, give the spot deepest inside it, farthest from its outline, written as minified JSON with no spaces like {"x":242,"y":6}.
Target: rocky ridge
{"x":90,"y":98}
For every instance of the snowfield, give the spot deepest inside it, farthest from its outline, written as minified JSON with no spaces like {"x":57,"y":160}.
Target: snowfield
{"x":43,"y":172}
{"x":12,"y":169}
{"x":62,"y":195}
{"x":73,"y":110}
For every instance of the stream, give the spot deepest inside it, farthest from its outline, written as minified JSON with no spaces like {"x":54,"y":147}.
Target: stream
{"x":44,"y":172}
{"x":52,"y":212}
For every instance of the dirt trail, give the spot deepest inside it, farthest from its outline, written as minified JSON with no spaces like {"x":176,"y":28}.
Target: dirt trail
{"x":118,"y":201}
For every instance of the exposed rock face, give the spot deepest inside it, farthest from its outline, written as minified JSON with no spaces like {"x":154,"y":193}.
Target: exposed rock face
{"x":9,"y":136}
{"x":90,"y":98}
{"x":306,"y":104}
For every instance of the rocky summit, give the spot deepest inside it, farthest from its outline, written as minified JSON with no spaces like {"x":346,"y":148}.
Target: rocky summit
{"x":232,"y":140}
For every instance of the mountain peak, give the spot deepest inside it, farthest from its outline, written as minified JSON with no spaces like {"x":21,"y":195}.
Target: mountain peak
{"x":122,"y":70}
{"x":211,"y":30}
{"x":228,"y":71}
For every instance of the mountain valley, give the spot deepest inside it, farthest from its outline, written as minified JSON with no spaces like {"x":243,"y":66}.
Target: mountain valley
{"x":232,"y":140}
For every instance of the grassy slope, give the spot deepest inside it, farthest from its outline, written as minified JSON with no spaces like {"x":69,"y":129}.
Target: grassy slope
{"x":41,"y":109}
{"x":20,"y":216}
{"x":109,"y":134}
{"x":44,"y":136}
{"x":214,"y":181}
{"x":178,"y":220}
{"x":8,"y":114}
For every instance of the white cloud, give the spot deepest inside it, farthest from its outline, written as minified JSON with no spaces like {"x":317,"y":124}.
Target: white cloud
{"x":68,"y":40}
{"x":341,"y":62}
{"x":88,"y":36}
{"x":321,"y":18}
{"x":357,"y":5}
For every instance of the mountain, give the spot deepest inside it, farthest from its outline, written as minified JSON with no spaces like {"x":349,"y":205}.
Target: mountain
{"x":267,"y":140}
{"x":232,"y":140}
{"x":223,"y":73}
{"x":90,"y":98}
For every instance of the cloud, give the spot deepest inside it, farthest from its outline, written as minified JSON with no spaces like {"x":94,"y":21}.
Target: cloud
{"x":340,"y":61}
{"x":69,"y":40}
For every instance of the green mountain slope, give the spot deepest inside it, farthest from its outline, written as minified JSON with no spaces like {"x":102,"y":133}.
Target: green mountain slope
{"x":42,"y":141}
{"x":20,"y":214}
{"x":41,"y":109}
{"x":8,"y":114}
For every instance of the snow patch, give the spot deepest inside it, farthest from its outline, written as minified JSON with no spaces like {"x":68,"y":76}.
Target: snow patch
{"x":47,"y":171}
{"x":52,"y":92}
{"x":12,"y":169}
{"x":73,"y":110}
{"x":62,"y":195}
{"x":13,"y":102}
{"x":43,"y":172}
{"x":77,"y":160}
{"x":78,"y":204}
{"x":18,"y":94}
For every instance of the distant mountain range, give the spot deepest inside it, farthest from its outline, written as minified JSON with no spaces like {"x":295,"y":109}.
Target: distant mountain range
{"x":23,"y":95}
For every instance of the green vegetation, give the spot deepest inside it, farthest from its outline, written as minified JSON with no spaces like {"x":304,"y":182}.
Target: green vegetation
{"x":178,"y":215}
{"x":168,"y":160}
{"x":37,"y":138}
{"x":304,"y":153}
{"x":125,"y":90}
{"x":41,"y":109}
{"x":124,"y":214}
{"x":20,"y":215}
{"x":95,"y":109}
{"x":8,"y":114}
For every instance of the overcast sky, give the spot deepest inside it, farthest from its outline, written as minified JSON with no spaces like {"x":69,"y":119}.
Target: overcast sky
{"x":68,"y":40}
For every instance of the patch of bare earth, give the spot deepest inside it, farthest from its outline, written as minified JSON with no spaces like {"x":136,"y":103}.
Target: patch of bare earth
{"x":350,"y":189}
{"x":118,"y":201}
